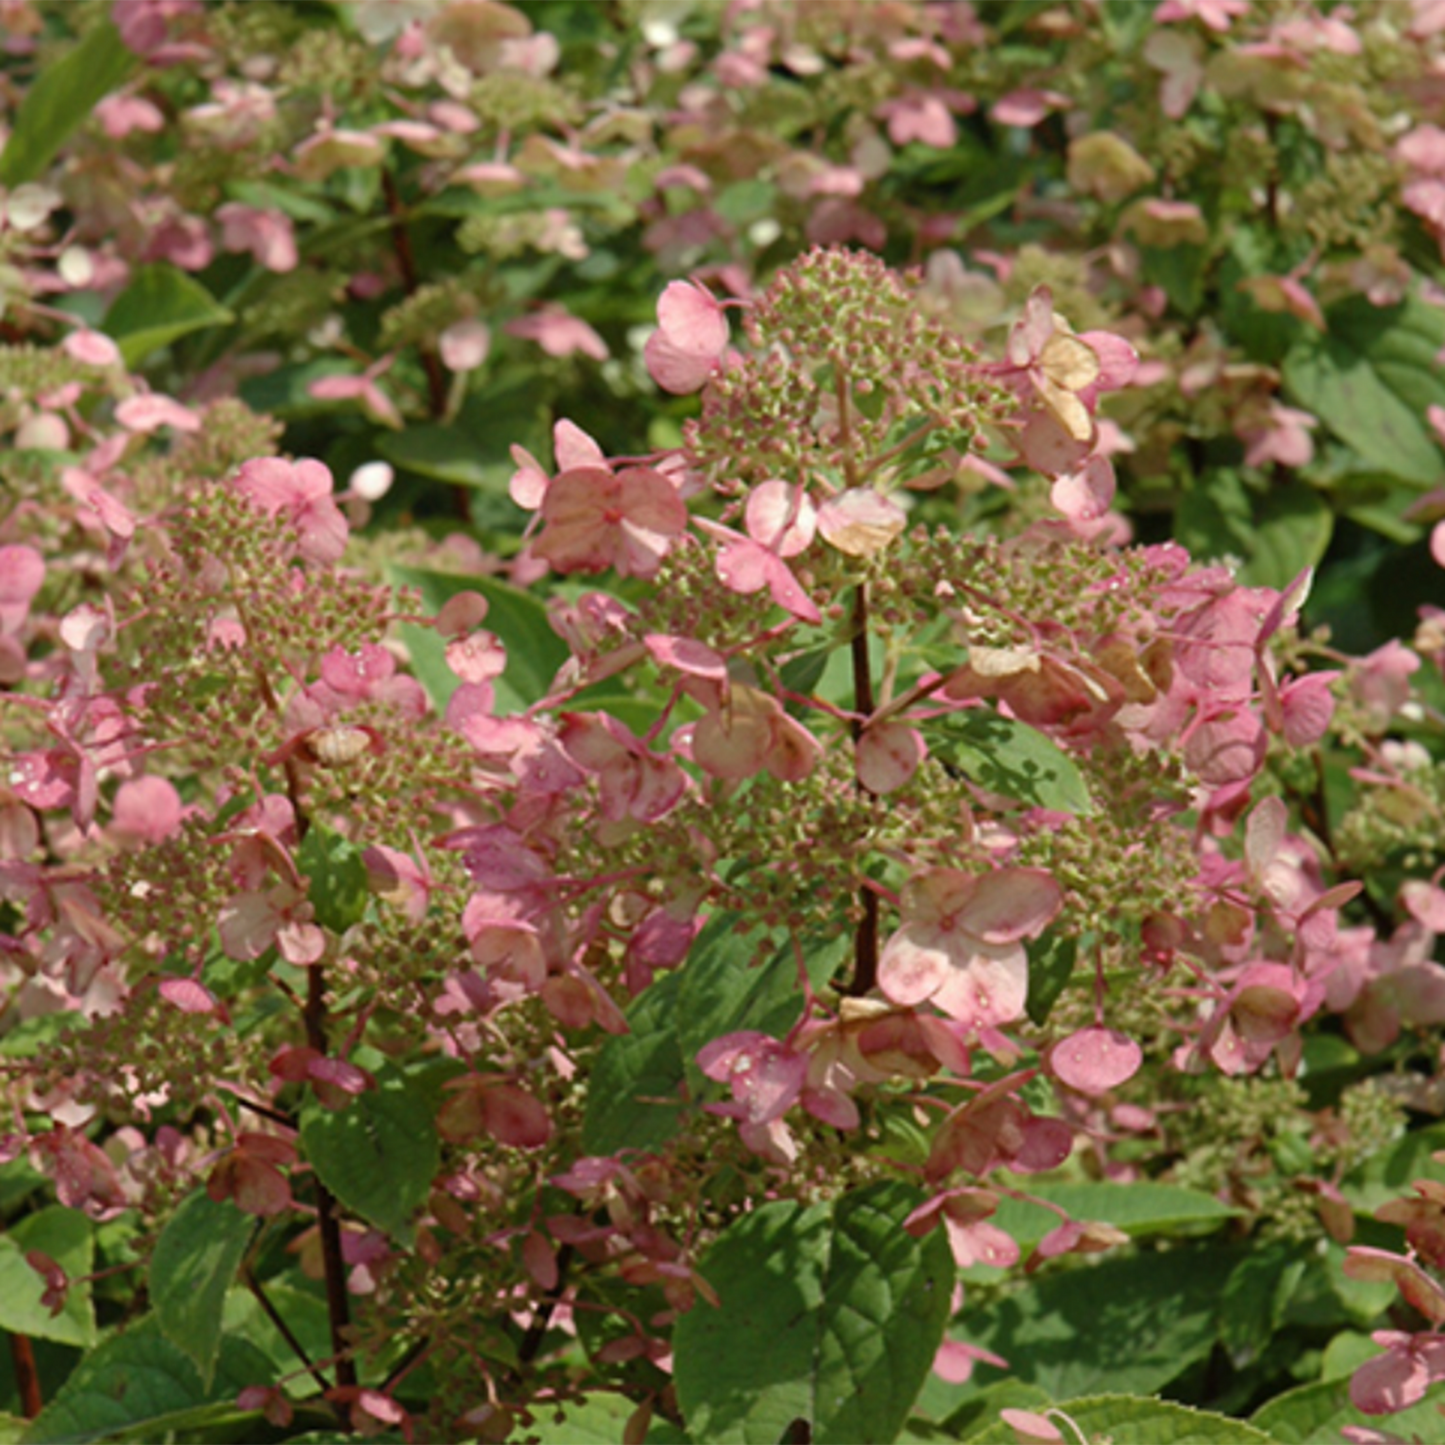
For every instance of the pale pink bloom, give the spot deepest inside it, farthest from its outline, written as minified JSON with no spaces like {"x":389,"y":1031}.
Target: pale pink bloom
{"x":317,"y":157}
{"x":22,"y":571}
{"x":151,"y":411}
{"x":490,"y":178}
{"x":595,"y":520}
{"x":252,"y":921}
{"x":378,"y":405}
{"x":1163,"y":223}
{"x":748,"y":732}
{"x":267,"y":234}
{"x":1308,"y":33}
{"x":119,"y":115}
{"x":1084,"y":495}
{"x":1028,"y":106}
{"x":955,"y":1360}
{"x":1216,"y":14}
{"x":961,"y":942}
{"x":558,"y":332}
{"x":690,"y":340}
{"x":1095,"y":1060}
{"x":1178,"y":56}
{"x":633,"y":781}
{"x":299,"y":492}
{"x":183,"y":240}
{"x":745,"y":567}
{"x":1281,"y":434}
{"x":1284,"y":294}
{"x":1029,"y":1425}
{"x":147,"y":809}
{"x":463,"y":346}
{"x":921,"y":116}
{"x":1423,"y":150}
{"x":93,"y":347}
{"x":1263,"y":1011}
{"x":888,"y":755}
{"x":1400,"y":1377}
{"x":781,"y":518}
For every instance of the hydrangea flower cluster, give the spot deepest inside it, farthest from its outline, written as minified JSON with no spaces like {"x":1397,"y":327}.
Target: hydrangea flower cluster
{"x":1020,"y":773}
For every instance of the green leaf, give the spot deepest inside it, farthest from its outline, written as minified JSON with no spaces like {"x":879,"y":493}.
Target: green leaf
{"x":534,"y":650}
{"x":68,"y":1237}
{"x":1291,"y":530}
{"x":160,"y":305}
{"x":1009,"y":757}
{"x":1370,"y":379}
{"x":1317,"y":1414}
{"x":1128,"y":1420}
{"x":634,"y":1094}
{"x":379,"y":1154}
{"x":830,"y":1314}
{"x":1134,"y":1322}
{"x":1255,"y":1297}
{"x":131,"y":1385}
{"x":445,"y":454}
{"x":62,"y":96}
{"x":336,"y":876}
{"x":1140,"y":1207}
{"x":597,"y":1419}
{"x":194,"y":1262}
{"x":1051,"y":965}
{"x":1276,"y":533}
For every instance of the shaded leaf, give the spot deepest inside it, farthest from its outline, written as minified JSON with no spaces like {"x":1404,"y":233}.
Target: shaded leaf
{"x":1009,"y":757}
{"x":1134,"y":1322}
{"x":1370,"y":379}
{"x":1128,"y":1420}
{"x":160,"y":305}
{"x":67,"y":1236}
{"x":192,"y":1267}
{"x":634,"y":1098}
{"x":130,"y":1385}
{"x":336,"y":876}
{"x":842,"y":1337}
{"x":62,"y":96}
{"x":1316,"y":1414}
{"x":379,"y":1154}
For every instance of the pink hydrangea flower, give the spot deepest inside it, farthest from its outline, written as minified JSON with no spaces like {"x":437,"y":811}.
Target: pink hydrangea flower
{"x":596,"y":520}
{"x":690,"y":340}
{"x":267,"y":234}
{"x":961,"y":943}
{"x":558,"y":333}
{"x":299,"y":492}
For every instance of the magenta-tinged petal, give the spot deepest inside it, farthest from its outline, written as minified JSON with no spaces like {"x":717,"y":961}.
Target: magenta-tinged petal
{"x":888,"y":755}
{"x":1095,"y":1060}
{"x":692,"y":318}
{"x":512,"y":1116}
{"x":673,"y":369}
{"x":913,"y":966}
{"x":22,"y":571}
{"x":781,"y":518}
{"x":1012,"y":903}
{"x":147,"y":808}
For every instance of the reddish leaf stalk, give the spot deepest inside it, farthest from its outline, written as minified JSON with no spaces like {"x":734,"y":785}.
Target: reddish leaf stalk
{"x":865,"y":940}
{"x":27,"y":1377}
{"x":338,"y":1307}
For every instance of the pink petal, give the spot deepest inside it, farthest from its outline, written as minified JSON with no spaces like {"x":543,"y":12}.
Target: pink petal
{"x":889,"y":755}
{"x":1095,"y":1060}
